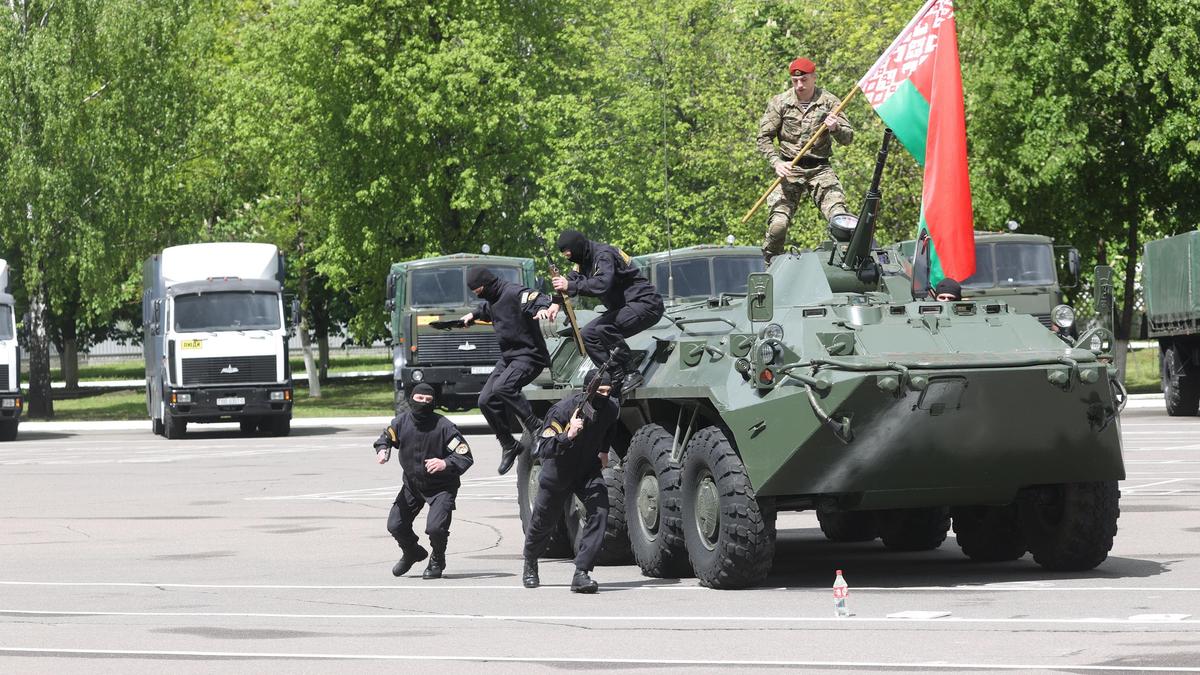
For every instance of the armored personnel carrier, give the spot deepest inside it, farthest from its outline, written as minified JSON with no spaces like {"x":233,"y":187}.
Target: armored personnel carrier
{"x":828,"y":387}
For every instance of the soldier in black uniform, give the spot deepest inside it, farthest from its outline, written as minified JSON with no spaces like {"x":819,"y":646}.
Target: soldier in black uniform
{"x":433,"y":455}
{"x":573,"y":454}
{"x":631,"y":302}
{"x":514,"y":312}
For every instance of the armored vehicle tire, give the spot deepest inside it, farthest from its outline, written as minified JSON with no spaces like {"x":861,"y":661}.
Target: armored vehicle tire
{"x":652,"y":505}
{"x":1181,"y":390}
{"x":615,"y":550}
{"x":248,"y":426}
{"x":921,"y":529}
{"x":528,"y":469}
{"x":848,"y":526}
{"x":1070,"y":527}
{"x":988,"y":533}
{"x":8,"y":430}
{"x":730,"y":541}
{"x":174,"y":428}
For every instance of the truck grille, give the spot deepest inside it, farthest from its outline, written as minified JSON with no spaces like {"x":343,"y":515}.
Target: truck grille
{"x":444,"y":348}
{"x":248,"y":369}
{"x":4,"y":378}
{"x":1043,"y":319}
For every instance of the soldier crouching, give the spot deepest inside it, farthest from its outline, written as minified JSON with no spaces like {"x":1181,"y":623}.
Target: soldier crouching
{"x":573,"y":453}
{"x":433,"y":455}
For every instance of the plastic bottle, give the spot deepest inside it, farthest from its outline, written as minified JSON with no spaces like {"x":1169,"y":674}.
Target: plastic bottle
{"x":840,"y":591}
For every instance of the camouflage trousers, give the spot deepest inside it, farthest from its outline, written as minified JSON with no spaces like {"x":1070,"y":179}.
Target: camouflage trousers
{"x":821,"y":184}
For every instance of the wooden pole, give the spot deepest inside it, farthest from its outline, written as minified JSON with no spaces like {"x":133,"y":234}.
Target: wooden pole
{"x":807,"y":146}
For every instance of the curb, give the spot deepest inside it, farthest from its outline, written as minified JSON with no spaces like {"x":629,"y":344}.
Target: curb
{"x":463,"y":421}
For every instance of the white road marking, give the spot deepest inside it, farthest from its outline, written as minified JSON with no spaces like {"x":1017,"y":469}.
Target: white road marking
{"x":593,"y":618}
{"x":932,"y":665}
{"x":1161,"y":482}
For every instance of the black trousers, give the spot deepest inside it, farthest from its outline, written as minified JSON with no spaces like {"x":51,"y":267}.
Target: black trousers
{"x":558,"y":481}
{"x":408,"y":506}
{"x":609,"y":330}
{"x":501,"y":399}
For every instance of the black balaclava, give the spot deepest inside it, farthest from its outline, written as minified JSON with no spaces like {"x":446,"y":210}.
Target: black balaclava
{"x":576,"y":243}
{"x":605,"y":379}
{"x":949,"y":286}
{"x":480,"y":276}
{"x":422,"y":412}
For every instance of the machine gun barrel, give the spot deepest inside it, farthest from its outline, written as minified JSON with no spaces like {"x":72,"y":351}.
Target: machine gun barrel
{"x":858,"y":252}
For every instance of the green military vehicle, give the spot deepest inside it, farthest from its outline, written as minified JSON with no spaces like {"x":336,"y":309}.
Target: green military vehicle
{"x":455,"y":363}
{"x":697,"y":272}
{"x":1020,"y":270}
{"x":829,"y":387}
{"x":1171,"y":290}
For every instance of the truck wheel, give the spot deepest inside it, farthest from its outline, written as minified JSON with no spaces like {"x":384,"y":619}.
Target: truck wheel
{"x":279,"y":425}
{"x":248,"y":426}
{"x":914,"y":529}
{"x":157,"y":422}
{"x":1180,"y":390}
{"x":1070,"y":527}
{"x":174,"y":428}
{"x":401,"y":400}
{"x":615,"y":550}
{"x":528,"y":470}
{"x":729,"y":539}
{"x":8,"y":430}
{"x":848,"y":526}
{"x":988,"y":533}
{"x":652,"y":505}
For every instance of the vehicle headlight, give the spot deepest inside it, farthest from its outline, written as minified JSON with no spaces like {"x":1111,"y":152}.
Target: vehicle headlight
{"x":1063,"y":316}
{"x":773,"y":331}
{"x":767,"y":353}
{"x":417,"y":376}
{"x":183,"y":398}
{"x":277,"y":396}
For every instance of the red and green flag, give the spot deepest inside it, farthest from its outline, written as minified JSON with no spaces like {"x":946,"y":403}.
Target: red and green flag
{"x":916,"y":87}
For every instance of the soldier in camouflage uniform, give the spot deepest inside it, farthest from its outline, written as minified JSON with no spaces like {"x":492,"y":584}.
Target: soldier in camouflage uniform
{"x":793,"y":117}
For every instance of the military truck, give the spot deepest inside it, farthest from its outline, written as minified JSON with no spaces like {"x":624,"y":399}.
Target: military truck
{"x":703,"y":271}
{"x":215,"y":340}
{"x":10,"y":362}
{"x":828,"y":387}
{"x":1171,"y":290}
{"x":455,"y":363}
{"x":1020,"y":270}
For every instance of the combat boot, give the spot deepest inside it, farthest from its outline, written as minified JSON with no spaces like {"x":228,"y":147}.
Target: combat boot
{"x":529,"y":575}
{"x":509,"y":451}
{"x":437,"y":563}
{"x":631,"y":381}
{"x":583,"y":583}
{"x":411,"y":557}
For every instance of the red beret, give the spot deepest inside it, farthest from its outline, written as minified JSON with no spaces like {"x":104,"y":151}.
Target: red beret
{"x":802,"y":65}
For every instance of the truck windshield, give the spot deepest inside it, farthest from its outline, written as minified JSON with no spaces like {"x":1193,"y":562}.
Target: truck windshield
{"x":226,"y":311}
{"x":1012,"y":265}
{"x":447,"y":286}
{"x":707,"y":277}
{"x":6,"y":322}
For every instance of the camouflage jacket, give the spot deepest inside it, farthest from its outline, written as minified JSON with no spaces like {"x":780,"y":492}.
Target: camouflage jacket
{"x":793,"y":123}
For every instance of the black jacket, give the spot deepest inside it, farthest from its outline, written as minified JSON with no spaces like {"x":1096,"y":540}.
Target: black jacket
{"x":511,"y":307}
{"x":606,"y":272}
{"x":437,"y":439}
{"x":595,"y":436}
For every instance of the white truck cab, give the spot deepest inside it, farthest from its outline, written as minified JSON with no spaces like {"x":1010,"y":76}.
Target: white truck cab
{"x":11,"y":400}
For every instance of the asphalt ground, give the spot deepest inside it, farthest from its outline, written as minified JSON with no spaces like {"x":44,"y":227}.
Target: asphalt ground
{"x":124,"y":552}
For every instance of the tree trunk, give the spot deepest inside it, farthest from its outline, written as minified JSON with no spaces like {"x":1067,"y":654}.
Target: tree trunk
{"x":41,"y":399}
{"x":310,"y":367}
{"x":69,"y":358}
{"x":323,"y":353}
{"x":1125,"y":322}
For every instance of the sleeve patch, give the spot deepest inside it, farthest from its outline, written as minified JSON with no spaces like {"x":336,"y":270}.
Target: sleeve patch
{"x":548,"y":433}
{"x":462,"y":448}
{"x":392,"y":434}
{"x":624,"y":256}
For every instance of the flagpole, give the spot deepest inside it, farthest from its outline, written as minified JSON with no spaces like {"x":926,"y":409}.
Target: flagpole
{"x":806,"y":148}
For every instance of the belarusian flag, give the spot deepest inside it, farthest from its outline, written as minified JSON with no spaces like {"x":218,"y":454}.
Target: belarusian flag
{"x":916,"y":87}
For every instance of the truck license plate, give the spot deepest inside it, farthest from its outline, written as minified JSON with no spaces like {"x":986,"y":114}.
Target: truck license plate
{"x":482,"y":370}
{"x":231,"y":400}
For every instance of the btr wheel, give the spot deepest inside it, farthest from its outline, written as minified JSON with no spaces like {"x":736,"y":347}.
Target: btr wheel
{"x":988,"y":533}
{"x":914,"y":529}
{"x":529,"y":468}
{"x":1181,"y":390}
{"x":652,"y":505}
{"x":848,"y":526}
{"x":1070,"y":527}
{"x":730,"y":541}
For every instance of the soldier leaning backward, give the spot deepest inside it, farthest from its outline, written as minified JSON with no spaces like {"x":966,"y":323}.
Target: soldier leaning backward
{"x":433,"y":455}
{"x":792,"y":118}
